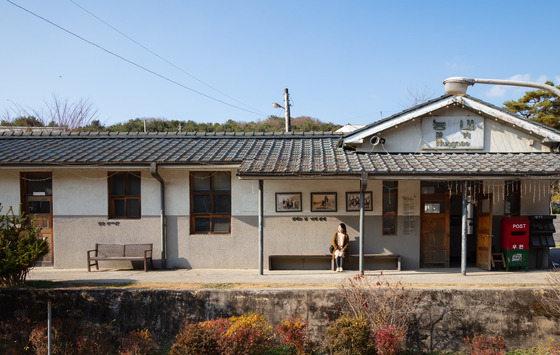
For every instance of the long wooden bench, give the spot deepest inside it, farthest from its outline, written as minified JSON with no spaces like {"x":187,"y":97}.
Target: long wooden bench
{"x":396,"y":258}
{"x":117,"y":252}
{"x":321,"y":261}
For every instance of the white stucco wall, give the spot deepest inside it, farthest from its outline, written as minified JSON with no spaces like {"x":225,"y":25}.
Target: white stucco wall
{"x":84,"y":192}
{"x":290,"y":233}
{"x":80,"y":206}
{"x":80,"y":192}
{"x":176,"y":191}
{"x":501,"y":137}
{"x":9,"y":190}
{"x":535,"y":197}
{"x":498,"y":136}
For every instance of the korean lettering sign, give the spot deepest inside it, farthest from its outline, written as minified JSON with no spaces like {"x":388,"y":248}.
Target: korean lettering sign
{"x":453,"y":132}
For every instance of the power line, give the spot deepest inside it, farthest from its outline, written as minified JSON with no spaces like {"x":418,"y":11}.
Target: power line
{"x":160,"y":57}
{"x":131,"y":62}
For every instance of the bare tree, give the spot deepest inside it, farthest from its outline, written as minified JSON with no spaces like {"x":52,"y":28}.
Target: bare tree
{"x":64,"y":113}
{"x":418,"y":97}
{"x":58,"y":112}
{"x":552,"y":299}
{"x":13,"y":112}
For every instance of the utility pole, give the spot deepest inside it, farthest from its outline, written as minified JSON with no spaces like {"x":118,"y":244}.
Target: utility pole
{"x":287,"y":109}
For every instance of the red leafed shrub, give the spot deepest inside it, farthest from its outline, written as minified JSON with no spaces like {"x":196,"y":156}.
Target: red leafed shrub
{"x":380,"y":301}
{"x":72,"y":337}
{"x":200,"y":338}
{"x":61,"y":341}
{"x":14,"y":336}
{"x":389,"y":339}
{"x":485,"y":345}
{"x":246,"y":334}
{"x":293,"y":331}
{"x":137,"y":342}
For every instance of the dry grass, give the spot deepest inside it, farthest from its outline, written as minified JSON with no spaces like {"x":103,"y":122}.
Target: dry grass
{"x":244,"y":285}
{"x":172,"y":285}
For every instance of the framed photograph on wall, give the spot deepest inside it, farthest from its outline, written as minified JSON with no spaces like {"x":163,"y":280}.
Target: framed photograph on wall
{"x":323,"y":202}
{"x":288,"y":202}
{"x":353,"y":201}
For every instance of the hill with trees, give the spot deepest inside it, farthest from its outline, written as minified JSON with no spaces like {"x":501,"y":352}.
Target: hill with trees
{"x":271,"y":124}
{"x":80,"y":116}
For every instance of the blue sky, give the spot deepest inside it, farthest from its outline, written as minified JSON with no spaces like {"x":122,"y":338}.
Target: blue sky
{"x":342,"y":61}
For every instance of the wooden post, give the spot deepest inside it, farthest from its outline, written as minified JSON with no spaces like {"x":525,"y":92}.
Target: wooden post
{"x":464,"y":232}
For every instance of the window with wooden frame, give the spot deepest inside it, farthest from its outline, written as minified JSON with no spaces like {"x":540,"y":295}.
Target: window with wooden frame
{"x":210,"y":202}
{"x":124,"y":195}
{"x":512,"y":204}
{"x":390,"y":194}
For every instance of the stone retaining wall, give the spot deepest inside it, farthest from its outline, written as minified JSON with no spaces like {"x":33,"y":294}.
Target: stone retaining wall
{"x":442,"y":317}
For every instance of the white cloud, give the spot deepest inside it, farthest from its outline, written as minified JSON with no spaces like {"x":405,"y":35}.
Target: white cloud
{"x":497,"y":91}
{"x":520,"y":77}
{"x":501,"y":91}
{"x":542,"y":79}
{"x":504,"y":91}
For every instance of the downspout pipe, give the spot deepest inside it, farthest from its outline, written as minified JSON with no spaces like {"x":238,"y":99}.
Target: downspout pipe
{"x":155,"y":175}
{"x":261,"y":227}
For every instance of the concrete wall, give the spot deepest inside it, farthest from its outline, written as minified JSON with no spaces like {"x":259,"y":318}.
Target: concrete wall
{"x":441,"y":319}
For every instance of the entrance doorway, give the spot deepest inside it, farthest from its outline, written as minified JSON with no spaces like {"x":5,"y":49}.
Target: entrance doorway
{"x":36,"y":201}
{"x":434,"y":233}
{"x":441,"y":228}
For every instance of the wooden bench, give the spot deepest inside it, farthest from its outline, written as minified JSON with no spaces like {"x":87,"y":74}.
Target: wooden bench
{"x":115,"y":252}
{"x":299,"y":261}
{"x":322,"y":261}
{"x":396,"y":258}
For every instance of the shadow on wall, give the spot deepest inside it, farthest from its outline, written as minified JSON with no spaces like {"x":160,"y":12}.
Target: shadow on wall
{"x":173,"y":259}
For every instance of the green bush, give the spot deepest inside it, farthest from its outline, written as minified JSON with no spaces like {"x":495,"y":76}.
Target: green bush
{"x":350,"y":336}
{"x":20,"y":247}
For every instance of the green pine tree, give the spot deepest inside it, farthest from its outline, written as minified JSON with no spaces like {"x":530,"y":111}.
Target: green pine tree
{"x":538,"y":105}
{"x":20,"y":247}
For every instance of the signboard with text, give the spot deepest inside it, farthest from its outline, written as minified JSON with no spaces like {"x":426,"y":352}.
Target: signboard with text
{"x":453,"y":132}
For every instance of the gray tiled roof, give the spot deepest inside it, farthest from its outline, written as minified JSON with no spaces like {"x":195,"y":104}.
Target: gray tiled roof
{"x":279,"y":154}
{"x":138,"y":148}
{"x":335,"y":161}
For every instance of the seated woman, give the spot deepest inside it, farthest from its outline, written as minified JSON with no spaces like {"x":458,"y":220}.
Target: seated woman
{"x":340,"y":243}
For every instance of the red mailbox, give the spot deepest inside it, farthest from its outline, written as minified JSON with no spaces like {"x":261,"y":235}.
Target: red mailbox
{"x":515,"y":241}
{"x":515,"y":233}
